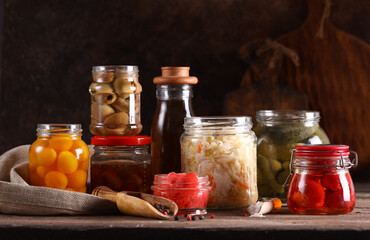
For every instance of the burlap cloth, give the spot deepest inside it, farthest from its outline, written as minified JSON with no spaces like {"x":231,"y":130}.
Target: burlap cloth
{"x":18,"y":197}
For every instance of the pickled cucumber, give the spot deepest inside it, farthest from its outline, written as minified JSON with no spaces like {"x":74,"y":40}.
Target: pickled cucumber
{"x":293,"y":133}
{"x":267,"y":174}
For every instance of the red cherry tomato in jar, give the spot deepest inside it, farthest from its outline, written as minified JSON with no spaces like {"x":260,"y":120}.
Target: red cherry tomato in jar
{"x":310,"y":195}
{"x":331,"y":182}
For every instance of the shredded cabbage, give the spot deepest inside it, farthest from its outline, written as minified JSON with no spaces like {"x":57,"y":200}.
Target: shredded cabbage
{"x":230,"y":163}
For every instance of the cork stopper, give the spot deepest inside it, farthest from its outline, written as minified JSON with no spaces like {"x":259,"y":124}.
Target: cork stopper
{"x":175,"y":75}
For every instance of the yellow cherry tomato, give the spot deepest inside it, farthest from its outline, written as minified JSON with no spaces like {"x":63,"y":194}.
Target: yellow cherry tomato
{"x":61,"y":143}
{"x":80,"y":150}
{"x":46,"y":156}
{"x":67,"y":162}
{"x":36,"y":180}
{"x":77,"y":179}
{"x":56,"y":179}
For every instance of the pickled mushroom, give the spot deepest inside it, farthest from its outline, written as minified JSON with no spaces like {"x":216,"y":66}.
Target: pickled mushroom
{"x":105,"y":77}
{"x":116,"y":119}
{"x":123,"y":87}
{"x":100,"y":88}
{"x":104,"y":98}
{"x":121,"y":104}
{"x":100,"y":112}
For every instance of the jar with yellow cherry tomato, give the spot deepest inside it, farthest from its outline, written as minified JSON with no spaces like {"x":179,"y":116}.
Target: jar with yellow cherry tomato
{"x":59,"y":158}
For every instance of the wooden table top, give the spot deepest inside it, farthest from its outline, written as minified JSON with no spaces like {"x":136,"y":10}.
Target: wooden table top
{"x":281,"y":224}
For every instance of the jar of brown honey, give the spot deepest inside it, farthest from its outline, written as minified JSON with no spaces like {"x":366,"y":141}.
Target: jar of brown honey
{"x":122,"y":163}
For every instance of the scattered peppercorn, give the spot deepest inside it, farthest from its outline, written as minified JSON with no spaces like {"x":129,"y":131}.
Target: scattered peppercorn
{"x":212,"y":216}
{"x":185,"y":216}
{"x":201,"y":217}
{"x":163,"y":209}
{"x":177,"y":218}
{"x":193,"y":218}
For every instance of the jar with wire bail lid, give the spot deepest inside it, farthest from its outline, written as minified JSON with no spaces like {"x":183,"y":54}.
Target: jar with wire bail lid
{"x":224,"y":149}
{"x":278,"y":132}
{"x":321,"y":183}
{"x":115,"y":101}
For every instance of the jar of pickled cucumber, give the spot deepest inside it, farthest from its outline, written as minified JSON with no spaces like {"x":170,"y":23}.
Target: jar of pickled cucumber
{"x":278,"y":132}
{"x":59,"y":158}
{"x":115,"y":101}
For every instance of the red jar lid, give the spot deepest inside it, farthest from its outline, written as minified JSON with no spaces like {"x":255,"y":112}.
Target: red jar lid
{"x":120,"y":141}
{"x":322,"y":150}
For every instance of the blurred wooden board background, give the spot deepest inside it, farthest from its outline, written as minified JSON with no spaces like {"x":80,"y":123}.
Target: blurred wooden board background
{"x":333,"y":72}
{"x":49,"y":47}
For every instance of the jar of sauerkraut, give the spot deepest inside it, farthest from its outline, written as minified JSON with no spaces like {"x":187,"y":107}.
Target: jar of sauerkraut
{"x":224,"y":149}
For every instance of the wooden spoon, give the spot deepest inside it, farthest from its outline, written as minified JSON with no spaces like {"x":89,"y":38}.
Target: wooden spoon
{"x":136,"y":203}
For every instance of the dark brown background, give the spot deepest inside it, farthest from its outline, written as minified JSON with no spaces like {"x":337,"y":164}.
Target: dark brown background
{"x":49,"y":47}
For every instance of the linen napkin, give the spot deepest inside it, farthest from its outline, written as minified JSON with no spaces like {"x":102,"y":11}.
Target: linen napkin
{"x":18,"y":197}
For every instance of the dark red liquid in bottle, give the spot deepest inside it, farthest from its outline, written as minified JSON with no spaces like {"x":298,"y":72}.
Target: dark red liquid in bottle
{"x":167,"y":127}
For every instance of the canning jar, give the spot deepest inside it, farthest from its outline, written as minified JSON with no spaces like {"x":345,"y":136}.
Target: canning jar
{"x":115,"y":101}
{"x":189,"y":191}
{"x":321,"y":183}
{"x":174,"y":94}
{"x":121,"y":163}
{"x":59,"y":158}
{"x":278,"y":132}
{"x":224,"y":149}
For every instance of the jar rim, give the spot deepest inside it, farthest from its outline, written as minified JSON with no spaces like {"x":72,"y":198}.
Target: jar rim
{"x":113,"y":68}
{"x":218,"y":122}
{"x":58,"y":128}
{"x":283,"y":116}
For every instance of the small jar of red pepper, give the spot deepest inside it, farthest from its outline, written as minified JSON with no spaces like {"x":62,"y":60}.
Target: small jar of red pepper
{"x":188,"y":190}
{"x":321,"y":183}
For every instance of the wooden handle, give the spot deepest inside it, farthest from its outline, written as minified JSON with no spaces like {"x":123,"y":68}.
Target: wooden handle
{"x":105,"y":192}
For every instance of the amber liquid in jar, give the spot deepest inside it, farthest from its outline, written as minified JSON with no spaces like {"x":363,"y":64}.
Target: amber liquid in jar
{"x":122,"y":175}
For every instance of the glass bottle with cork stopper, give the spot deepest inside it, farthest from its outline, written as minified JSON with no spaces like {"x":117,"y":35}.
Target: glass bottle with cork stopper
{"x":174,"y":93}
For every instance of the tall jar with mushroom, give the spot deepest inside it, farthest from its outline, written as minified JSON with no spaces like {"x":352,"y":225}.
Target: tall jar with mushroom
{"x":115,"y":101}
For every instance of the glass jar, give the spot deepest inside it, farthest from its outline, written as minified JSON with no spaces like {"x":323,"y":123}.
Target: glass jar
{"x":278,"y":132}
{"x":321,"y":183}
{"x":121,"y":163}
{"x":224,"y":149}
{"x":59,"y":158}
{"x":189,"y":191}
{"x":115,"y":101}
{"x":174,"y":93}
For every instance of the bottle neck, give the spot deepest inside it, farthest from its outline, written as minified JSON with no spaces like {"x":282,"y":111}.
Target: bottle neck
{"x":174,"y":92}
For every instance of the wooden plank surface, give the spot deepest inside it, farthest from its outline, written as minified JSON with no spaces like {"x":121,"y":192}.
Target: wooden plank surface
{"x":281,"y":225}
